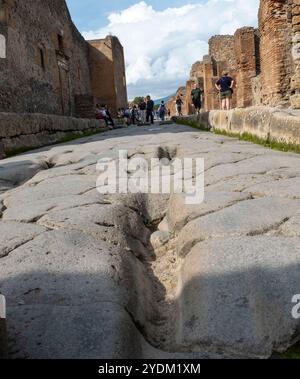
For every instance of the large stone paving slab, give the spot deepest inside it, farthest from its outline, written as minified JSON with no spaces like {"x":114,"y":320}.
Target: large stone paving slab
{"x":236,"y":295}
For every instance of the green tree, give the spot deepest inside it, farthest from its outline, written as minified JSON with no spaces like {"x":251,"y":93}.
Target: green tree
{"x":138,"y":99}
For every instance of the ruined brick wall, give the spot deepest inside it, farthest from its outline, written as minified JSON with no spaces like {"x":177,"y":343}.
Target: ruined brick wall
{"x":275,"y":51}
{"x":222,"y":49}
{"x":245,"y":52}
{"x":46,"y":58}
{"x":196,"y":71}
{"x":108,"y":72}
{"x":295,"y":79}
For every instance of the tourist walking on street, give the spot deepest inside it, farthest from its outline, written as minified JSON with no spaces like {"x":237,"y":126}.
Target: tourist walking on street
{"x":197,"y":96}
{"x":225,"y":86}
{"x":149,"y":110}
{"x":142,"y":109}
{"x":179,"y":104}
{"x":162,"y":111}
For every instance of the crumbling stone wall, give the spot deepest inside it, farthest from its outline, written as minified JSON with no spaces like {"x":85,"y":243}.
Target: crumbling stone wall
{"x":46,"y":58}
{"x":222,"y":49}
{"x":45,"y":63}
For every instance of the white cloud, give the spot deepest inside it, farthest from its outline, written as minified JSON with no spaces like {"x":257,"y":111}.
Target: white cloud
{"x":161,"y":46}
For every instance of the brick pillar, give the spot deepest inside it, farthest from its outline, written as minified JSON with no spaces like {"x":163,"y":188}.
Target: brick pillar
{"x":188,"y":98}
{"x":209,"y":89}
{"x":295,"y":80}
{"x":275,"y":47}
{"x":246,"y":65}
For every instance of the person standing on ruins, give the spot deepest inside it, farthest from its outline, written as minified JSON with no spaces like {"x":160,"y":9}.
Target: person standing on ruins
{"x":197,"y":95}
{"x":149,"y":110}
{"x":225,"y":86}
{"x":179,"y":104}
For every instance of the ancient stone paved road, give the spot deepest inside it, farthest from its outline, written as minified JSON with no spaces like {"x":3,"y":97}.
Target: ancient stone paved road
{"x":106,"y":276}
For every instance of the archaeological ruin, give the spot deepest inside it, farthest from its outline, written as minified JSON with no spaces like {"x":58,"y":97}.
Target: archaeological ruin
{"x":47,"y":68}
{"x":264,"y":62}
{"x":103,"y":255}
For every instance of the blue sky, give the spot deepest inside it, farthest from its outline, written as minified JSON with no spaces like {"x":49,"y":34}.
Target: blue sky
{"x":91,"y":14}
{"x":161,"y":38}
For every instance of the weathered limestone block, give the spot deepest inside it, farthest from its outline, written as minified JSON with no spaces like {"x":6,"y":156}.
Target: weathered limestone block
{"x":179,"y":213}
{"x":262,"y":122}
{"x":257,"y":122}
{"x":250,"y":217}
{"x":13,"y":235}
{"x":237,"y":121}
{"x":235,"y":295}
{"x":19,"y":131}
{"x":74,"y":283}
{"x":285,"y":128}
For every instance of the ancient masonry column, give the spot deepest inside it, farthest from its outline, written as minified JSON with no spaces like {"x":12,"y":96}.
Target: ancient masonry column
{"x":275,"y":46}
{"x":188,"y":98}
{"x":295,"y":80}
{"x":246,"y":65}
{"x":209,"y":90}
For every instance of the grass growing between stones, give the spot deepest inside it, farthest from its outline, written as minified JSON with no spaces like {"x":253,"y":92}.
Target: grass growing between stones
{"x":271,"y":144}
{"x":68,"y":138}
{"x":193,"y":124}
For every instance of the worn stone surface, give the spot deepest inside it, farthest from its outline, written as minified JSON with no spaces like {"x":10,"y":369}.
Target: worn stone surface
{"x":138,"y":276}
{"x":236,"y":295}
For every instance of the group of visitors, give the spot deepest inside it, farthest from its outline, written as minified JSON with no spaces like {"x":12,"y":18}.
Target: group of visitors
{"x":143,"y":113}
{"x":224,"y":86}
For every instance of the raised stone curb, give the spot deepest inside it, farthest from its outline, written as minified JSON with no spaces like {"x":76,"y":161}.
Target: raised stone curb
{"x":26,"y":131}
{"x":268,"y":124}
